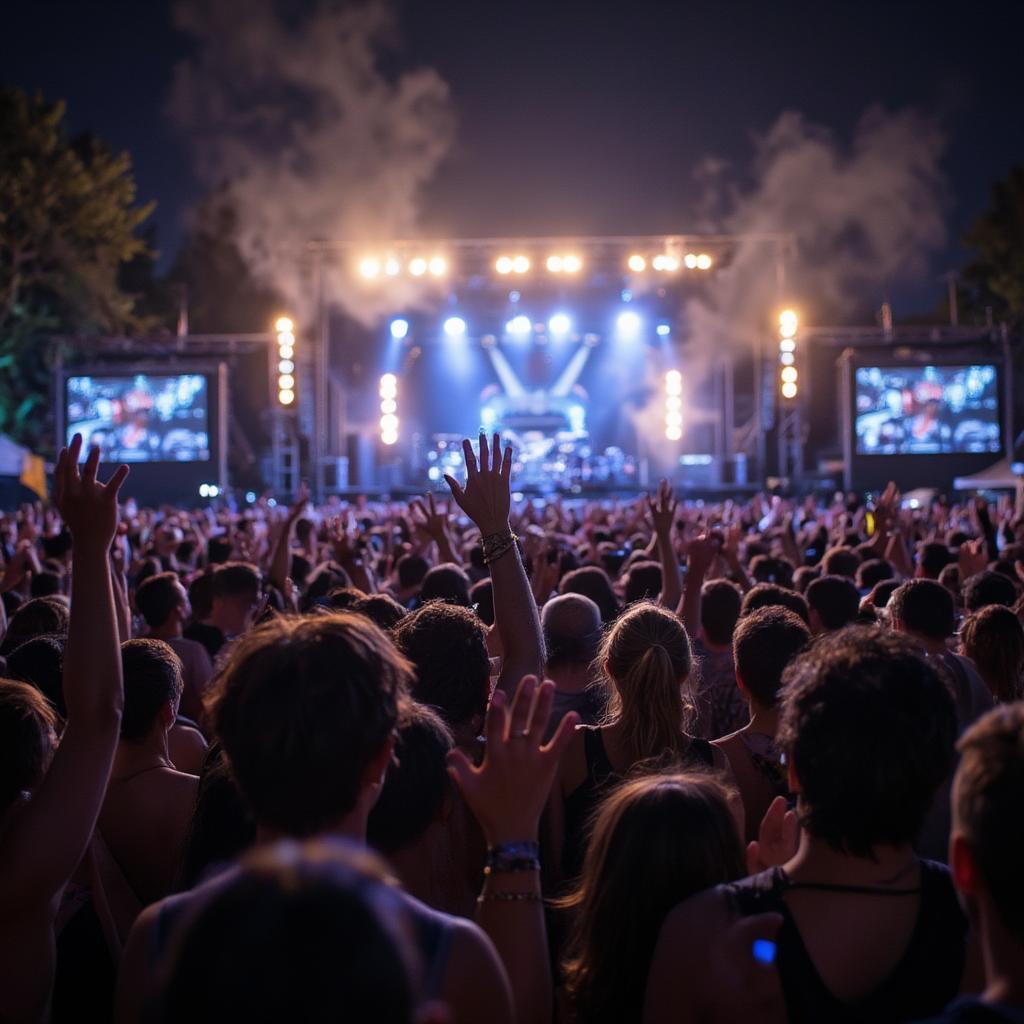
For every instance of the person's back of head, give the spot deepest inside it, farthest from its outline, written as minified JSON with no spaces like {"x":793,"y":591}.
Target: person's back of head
{"x":803,"y":576}
{"x":841,"y":561}
{"x":643,"y":582}
{"x":152,"y":687}
{"x":656,"y":841}
{"x":950,"y":579}
{"x":218,"y":550}
{"x":342,"y":598}
{"x":988,"y":588}
{"x":300,"y":934}
{"x":446,"y":582}
{"x":38,"y":617}
{"x":572,"y":631}
{"x":924,"y":607}
{"x":592,"y":582}
{"x":27,"y":723}
{"x":647,"y":657}
{"x":833,"y":602}
{"x":411,"y":570}
{"x":381,"y":609}
{"x":768,"y":595}
{"x":40,"y":662}
{"x":868,"y":728}
{"x":769,"y":569}
{"x":417,"y":783}
{"x":46,"y":583}
{"x":200,"y":595}
{"x":873,"y":571}
{"x":987,"y":842}
{"x":57,"y":545}
{"x":993,"y":639}
{"x":481,"y":598}
{"x":158,"y":597}
{"x":882,"y":592}
{"x":324,"y":580}
{"x":304,"y":708}
{"x":720,"y":603}
{"x":932,"y":558}
{"x":447,"y":646}
{"x":765,"y":642}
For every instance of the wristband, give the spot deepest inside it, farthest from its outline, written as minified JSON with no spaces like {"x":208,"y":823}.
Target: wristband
{"x":495,"y":555}
{"x":524,"y":856}
{"x":493,"y":541}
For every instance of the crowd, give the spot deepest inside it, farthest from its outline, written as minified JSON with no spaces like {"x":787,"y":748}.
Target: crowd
{"x":484,"y":761}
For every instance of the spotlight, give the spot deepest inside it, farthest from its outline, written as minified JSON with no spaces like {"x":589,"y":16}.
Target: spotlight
{"x":628,"y":323}
{"x":789,"y":374}
{"x":786,"y":358}
{"x":285,"y":328}
{"x":455,"y":327}
{"x":418,"y":266}
{"x":703,"y":261}
{"x":673,"y":433}
{"x":369,"y":268}
{"x":392,"y":267}
{"x":787,"y":345}
{"x":555,"y":264}
{"x":673,"y":418}
{"x":284,"y":325}
{"x":664,"y":330}
{"x":388,"y":405}
{"x":204,"y":490}
{"x":503,"y":264}
{"x":286,"y":397}
{"x":520,"y":264}
{"x":285,"y":366}
{"x":388,"y":385}
{"x":519,"y":326}
{"x":438,"y":266}
{"x":789,"y":390}
{"x":788,"y":323}
{"x":560,"y":323}
{"x":673,"y":383}
{"x":286,"y":382}
{"x":399,"y":328}
{"x":572,"y":264}
{"x":690,"y":261}
{"x":389,"y":439}
{"x":285,"y":351}
{"x":665,"y":262}
{"x":389,"y":423}
{"x":637,"y":263}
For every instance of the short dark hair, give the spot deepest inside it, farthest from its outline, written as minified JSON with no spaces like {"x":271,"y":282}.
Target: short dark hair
{"x":769,"y":569}
{"x":987,"y":794}
{"x":200,"y":595}
{"x":301,"y":708}
{"x":924,"y":607}
{"x":40,"y":661}
{"x":873,"y":571}
{"x":767,"y":595}
{"x":841,"y":561}
{"x":381,"y":609}
{"x":593,"y":582}
{"x":41,"y":615}
{"x":26,"y":719}
{"x":45,"y":583}
{"x":411,"y":569}
{"x":985,"y":588}
{"x":447,"y":645}
{"x":643,"y":581}
{"x":237,"y":579}
{"x":152,"y":678}
{"x":157,"y":597}
{"x":765,"y":642}
{"x":857,"y":686}
{"x":881,"y":593}
{"x":803,"y":576}
{"x":933,"y":557}
{"x":446,"y":582}
{"x":835,"y":599}
{"x":720,"y":603}
{"x":416,"y":783}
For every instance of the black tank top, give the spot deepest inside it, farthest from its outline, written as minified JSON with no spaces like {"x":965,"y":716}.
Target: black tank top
{"x":924,"y":980}
{"x":601,"y":775}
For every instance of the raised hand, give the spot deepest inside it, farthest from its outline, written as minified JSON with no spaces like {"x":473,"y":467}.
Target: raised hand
{"x":88,"y":507}
{"x":508,"y":791}
{"x":486,"y":498}
{"x":433,"y":523}
{"x":972,"y":558}
{"x":777,"y":838}
{"x":299,"y":505}
{"x":701,"y":553}
{"x":661,"y":511}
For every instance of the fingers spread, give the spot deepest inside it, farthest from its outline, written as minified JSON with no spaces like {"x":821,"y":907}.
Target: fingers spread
{"x":484,"y":454}
{"x":470,"y":456}
{"x":522,"y":704}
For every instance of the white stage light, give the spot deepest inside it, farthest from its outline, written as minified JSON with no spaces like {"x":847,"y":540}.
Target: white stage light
{"x":673,"y":383}
{"x":285,"y":366}
{"x":664,"y":330}
{"x":789,"y":390}
{"x":788,"y":323}
{"x":392,"y":267}
{"x":369,"y":268}
{"x":703,"y":261}
{"x":560,"y":323}
{"x":438,"y":266}
{"x":519,"y":326}
{"x":284,"y":325}
{"x":637,"y":263}
{"x":520,"y":264}
{"x":418,"y":266}
{"x":572,"y":264}
{"x":503,"y":264}
{"x":286,"y":396}
{"x":555,"y":264}
{"x":399,"y":328}
{"x":628,"y":324}
{"x":673,"y":433}
{"x":690,"y":261}
{"x":455,"y":327}
{"x":388,"y":385}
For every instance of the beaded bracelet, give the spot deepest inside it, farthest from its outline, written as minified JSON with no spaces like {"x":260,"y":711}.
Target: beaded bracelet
{"x":493,"y":541}
{"x":522,"y":856}
{"x":509,"y":897}
{"x":495,"y":555}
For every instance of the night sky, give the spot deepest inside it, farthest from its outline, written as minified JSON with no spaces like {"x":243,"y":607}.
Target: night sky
{"x":585,"y":118}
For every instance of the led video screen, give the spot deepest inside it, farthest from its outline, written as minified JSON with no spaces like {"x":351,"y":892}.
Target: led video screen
{"x":142,"y":417}
{"x":927,"y":410}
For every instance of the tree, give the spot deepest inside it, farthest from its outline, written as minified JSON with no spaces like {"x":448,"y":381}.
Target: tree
{"x":68,"y":223}
{"x":995,"y":277}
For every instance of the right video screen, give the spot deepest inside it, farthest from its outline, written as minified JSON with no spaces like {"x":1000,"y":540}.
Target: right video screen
{"x":927,"y":410}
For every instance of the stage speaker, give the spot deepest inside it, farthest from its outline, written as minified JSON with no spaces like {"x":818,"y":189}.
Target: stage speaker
{"x":362,"y":465}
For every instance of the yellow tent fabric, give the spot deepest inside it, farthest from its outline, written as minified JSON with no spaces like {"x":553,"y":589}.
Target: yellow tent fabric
{"x":33,"y":474}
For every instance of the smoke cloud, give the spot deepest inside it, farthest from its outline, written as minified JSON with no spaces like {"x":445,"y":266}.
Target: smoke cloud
{"x":293,"y":119}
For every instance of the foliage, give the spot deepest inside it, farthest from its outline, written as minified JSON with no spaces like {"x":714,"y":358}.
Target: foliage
{"x":68,"y":223}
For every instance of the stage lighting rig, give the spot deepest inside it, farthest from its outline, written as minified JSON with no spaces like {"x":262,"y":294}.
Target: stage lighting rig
{"x":789,"y":325}
{"x":388,"y":392}
{"x":285,"y":330}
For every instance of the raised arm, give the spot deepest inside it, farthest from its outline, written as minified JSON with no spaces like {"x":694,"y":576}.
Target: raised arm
{"x":661,"y":513}
{"x":507,"y":794}
{"x":486,"y":499}
{"x":435,"y":526}
{"x":280,"y":558}
{"x":699,"y":557}
{"x":51,"y":833}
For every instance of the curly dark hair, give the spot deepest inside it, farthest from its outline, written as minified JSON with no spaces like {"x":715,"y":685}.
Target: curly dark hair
{"x":765,"y":642}
{"x":868,"y":727}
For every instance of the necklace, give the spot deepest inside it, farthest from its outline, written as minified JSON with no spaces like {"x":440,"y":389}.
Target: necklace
{"x":863,"y":890}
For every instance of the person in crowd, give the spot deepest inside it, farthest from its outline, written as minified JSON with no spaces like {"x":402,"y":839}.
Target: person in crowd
{"x":932,"y":558}
{"x":234,"y":597}
{"x":869,"y":931}
{"x":872,"y":572}
{"x":446,"y":582}
{"x":985,"y":853}
{"x":766,"y":595}
{"x":993,"y":639}
{"x":765,"y":642}
{"x":841,"y":561}
{"x":592,"y":581}
{"x":41,"y":615}
{"x":409,"y":575}
{"x":163,"y":603}
{"x":572,"y":636}
{"x":833,"y":603}
{"x":148,"y":804}
{"x":51,"y":795}
{"x":657,"y":840}
{"x":988,"y":588}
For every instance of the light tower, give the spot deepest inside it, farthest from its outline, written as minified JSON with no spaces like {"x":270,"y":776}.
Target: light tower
{"x":790,"y":421}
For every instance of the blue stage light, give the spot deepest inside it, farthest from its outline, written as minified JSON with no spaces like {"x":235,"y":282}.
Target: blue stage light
{"x":399,"y":328}
{"x":628,"y":324}
{"x":559,"y":324}
{"x":455,"y":327}
{"x":627,"y":295}
{"x":519,"y":326}
{"x":664,"y":330}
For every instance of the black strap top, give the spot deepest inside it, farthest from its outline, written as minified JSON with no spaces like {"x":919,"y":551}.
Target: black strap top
{"x":924,"y":980}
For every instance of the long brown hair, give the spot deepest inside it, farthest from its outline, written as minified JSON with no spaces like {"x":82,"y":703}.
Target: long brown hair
{"x":657,"y":840}
{"x":993,"y":639}
{"x":647,"y":657}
